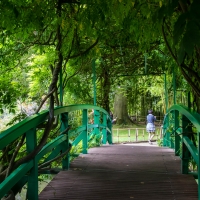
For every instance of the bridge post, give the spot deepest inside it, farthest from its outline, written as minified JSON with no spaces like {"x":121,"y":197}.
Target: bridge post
{"x":104,"y":131}
{"x":96,"y":121}
{"x":171,"y":140}
{"x":177,"y":137}
{"x":186,"y":128}
{"x":31,"y":143}
{"x":85,"y":133}
{"x":109,"y":135}
{"x":64,"y":126}
{"x":94,"y":80}
{"x":61,"y":87}
{"x":166,"y":93}
{"x":166,"y":138}
{"x":174,"y":85}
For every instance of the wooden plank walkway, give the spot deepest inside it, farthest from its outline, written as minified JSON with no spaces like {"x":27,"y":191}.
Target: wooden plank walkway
{"x":132,"y":171}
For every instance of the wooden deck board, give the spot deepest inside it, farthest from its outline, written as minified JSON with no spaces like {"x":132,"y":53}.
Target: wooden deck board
{"x":123,"y":172}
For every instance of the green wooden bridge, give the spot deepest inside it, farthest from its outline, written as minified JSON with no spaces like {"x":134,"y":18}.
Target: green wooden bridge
{"x":106,"y":176}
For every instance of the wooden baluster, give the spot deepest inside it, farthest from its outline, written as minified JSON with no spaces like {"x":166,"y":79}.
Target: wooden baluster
{"x":185,"y":152}
{"x":85,"y":132}
{"x":64,"y":126}
{"x":177,"y":137}
{"x":31,"y":143}
{"x":104,"y":131}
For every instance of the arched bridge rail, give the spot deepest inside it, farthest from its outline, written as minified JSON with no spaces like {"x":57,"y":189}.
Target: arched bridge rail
{"x":181,"y":128}
{"x":28,"y":172}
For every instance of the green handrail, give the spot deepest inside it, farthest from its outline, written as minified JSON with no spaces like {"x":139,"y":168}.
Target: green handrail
{"x":194,"y":117}
{"x":183,"y":120}
{"x":29,"y":170}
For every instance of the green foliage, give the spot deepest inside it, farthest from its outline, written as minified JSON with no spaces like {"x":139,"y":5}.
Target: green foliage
{"x":19,"y":117}
{"x":160,"y":142}
{"x":180,"y":28}
{"x":185,"y":25}
{"x":75,"y":119}
{"x":39,"y":76}
{"x":95,"y":140}
{"x":192,"y":165}
{"x":35,"y":35}
{"x":9,"y":93}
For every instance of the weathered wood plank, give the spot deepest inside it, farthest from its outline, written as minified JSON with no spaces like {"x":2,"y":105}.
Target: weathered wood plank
{"x":123,"y":172}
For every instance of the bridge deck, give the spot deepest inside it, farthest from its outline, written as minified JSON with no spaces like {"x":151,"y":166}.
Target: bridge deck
{"x":132,"y":171}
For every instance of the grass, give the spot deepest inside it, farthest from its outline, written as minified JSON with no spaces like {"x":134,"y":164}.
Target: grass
{"x":132,"y":134}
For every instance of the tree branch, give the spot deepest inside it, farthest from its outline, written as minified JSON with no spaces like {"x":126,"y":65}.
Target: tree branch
{"x":197,"y":91}
{"x":19,"y":145}
{"x":87,"y":50}
{"x":44,"y":100}
{"x":183,"y":6}
{"x":195,"y":74}
{"x":167,"y":44}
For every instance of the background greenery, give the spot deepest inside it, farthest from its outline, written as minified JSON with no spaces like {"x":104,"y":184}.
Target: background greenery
{"x":134,"y":43}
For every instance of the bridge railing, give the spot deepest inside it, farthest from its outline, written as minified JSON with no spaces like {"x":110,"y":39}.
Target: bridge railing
{"x":58,"y":147}
{"x":181,"y":128}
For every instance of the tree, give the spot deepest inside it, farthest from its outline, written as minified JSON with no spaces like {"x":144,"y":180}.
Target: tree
{"x":59,"y":31}
{"x":39,"y":39}
{"x":41,"y":27}
{"x":121,"y":108}
{"x":180,"y":28}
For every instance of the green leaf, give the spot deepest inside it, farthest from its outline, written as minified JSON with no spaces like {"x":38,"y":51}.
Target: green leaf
{"x":191,"y":37}
{"x":172,"y":5}
{"x":161,"y":13}
{"x":188,"y":44}
{"x":194,"y":10}
{"x":13,"y":111}
{"x":181,"y":53}
{"x":179,"y":27}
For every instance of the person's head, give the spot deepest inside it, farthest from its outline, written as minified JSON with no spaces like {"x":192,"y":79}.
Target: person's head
{"x":150,"y":111}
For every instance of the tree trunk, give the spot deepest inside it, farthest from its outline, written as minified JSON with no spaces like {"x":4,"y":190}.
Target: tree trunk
{"x":105,"y":103}
{"x":143,"y":109}
{"x":121,"y":109}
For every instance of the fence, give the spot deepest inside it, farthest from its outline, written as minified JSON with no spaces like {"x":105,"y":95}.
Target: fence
{"x":133,"y":134}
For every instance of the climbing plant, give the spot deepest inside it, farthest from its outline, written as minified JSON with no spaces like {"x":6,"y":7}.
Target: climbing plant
{"x":39,"y":39}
